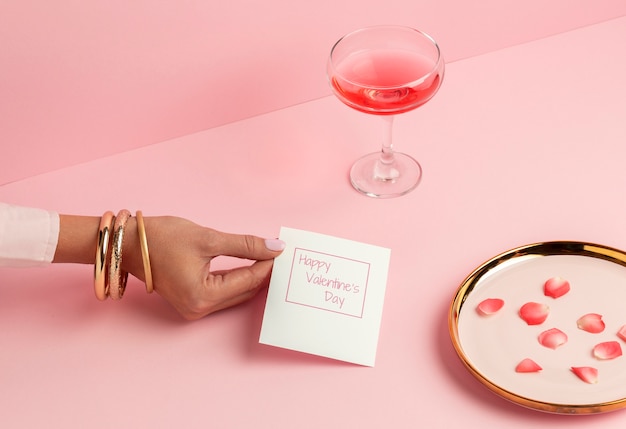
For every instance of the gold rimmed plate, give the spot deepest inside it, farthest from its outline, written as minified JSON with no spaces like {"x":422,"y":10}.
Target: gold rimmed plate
{"x":492,"y":346}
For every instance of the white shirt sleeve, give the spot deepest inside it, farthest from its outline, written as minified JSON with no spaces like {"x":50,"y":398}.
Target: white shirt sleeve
{"x":28,"y":236}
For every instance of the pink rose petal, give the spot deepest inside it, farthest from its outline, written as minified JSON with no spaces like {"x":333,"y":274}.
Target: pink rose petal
{"x":622,"y":333}
{"x":587,"y":374}
{"x":534,"y":313}
{"x":556,"y":287}
{"x":552,"y":338}
{"x":528,"y":365}
{"x":489,"y":306}
{"x":591,"y":322}
{"x":607,"y":350}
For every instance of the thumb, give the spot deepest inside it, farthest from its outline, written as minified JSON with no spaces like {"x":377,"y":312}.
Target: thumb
{"x":248,"y":246}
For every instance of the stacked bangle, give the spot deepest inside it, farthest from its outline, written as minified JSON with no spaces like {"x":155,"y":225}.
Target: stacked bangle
{"x":145,"y":255}
{"x":100,"y":274}
{"x":117,"y":277}
{"x":109,"y":278}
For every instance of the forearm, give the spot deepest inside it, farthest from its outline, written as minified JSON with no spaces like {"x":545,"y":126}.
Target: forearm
{"x":77,"y":239}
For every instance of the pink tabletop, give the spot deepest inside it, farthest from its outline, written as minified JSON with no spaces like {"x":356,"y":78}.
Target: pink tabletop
{"x":521,"y":145}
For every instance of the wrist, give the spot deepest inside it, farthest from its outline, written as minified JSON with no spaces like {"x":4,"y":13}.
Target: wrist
{"x":77,"y":235}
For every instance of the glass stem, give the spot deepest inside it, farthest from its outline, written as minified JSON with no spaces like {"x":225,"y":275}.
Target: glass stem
{"x":385,"y":169}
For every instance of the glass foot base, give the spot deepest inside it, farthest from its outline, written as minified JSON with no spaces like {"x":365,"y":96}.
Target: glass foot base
{"x":375,"y":179}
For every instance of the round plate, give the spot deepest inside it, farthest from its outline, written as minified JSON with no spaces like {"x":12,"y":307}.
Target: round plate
{"x":492,"y":346}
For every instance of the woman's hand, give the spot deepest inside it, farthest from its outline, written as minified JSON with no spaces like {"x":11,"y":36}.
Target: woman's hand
{"x":180,"y":256}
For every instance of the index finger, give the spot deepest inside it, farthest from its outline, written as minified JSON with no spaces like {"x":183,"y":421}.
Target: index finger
{"x":229,"y":284}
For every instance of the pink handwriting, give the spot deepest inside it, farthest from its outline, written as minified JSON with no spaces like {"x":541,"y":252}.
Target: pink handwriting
{"x":317,"y":279}
{"x":314,"y":264}
{"x":335,"y":299}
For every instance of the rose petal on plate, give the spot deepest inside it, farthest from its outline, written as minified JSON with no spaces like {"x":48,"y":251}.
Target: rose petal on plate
{"x":528,"y":365}
{"x":591,"y":322}
{"x":552,"y":338}
{"x":489,"y":306}
{"x":587,"y":374}
{"x":622,"y":333}
{"x":556,"y":287}
{"x":607,"y":350}
{"x":534,"y":313}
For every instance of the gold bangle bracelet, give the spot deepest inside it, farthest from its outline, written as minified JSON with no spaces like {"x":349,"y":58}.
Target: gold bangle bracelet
{"x":145,"y":255}
{"x":117,"y":277}
{"x":100,"y":274}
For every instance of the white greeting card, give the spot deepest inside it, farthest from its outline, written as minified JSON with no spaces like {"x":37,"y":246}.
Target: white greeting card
{"x":326,"y":297}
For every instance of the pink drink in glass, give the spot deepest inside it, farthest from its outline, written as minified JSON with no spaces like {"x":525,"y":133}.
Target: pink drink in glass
{"x":381,"y":81}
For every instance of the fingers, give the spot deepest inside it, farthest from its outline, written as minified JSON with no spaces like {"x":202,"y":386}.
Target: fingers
{"x":200,"y":313}
{"x":225,"y":289}
{"x":248,"y":246}
{"x":222,"y":289}
{"x":243,"y":279}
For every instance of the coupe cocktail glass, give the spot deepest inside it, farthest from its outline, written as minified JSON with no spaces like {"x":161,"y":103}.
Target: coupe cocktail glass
{"x":385,"y":70}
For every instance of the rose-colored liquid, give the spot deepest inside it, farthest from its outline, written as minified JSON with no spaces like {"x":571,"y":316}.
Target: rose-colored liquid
{"x":385,"y":81}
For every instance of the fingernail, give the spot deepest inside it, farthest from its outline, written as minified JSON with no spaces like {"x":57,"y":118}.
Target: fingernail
{"x":275,"y":244}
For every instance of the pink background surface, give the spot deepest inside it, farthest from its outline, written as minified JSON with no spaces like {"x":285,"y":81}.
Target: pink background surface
{"x":80,"y":80}
{"x":522,"y":144}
